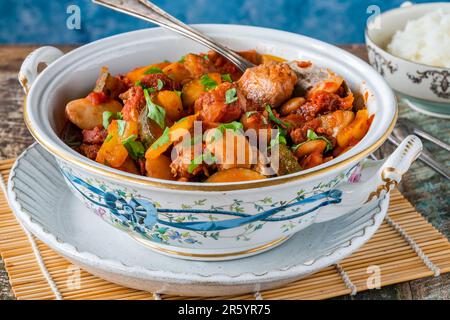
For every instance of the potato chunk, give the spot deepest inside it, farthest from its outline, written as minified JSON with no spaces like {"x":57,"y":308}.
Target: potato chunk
{"x":84,"y":115}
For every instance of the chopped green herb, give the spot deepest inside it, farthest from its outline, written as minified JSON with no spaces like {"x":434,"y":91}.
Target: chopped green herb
{"x":275,"y":119}
{"x":208,"y":158}
{"x":178,"y":93}
{"x":226,"y":77}
{"x":161,"y":140}
{"x":195,"y":163}
{"x":153,"y":70}
{"x":135,"y":148}
{"x":196,"y":139}
{"x":138,"y":83}
{"x":235,"y":126}
{"x":182,"y":59}
{"x":121,"y":125}
{"x":248,"y":114}
{"x":107,"y":115}
{"x":108,"y":137}
{"x":311,"y":135}
{"x":160,"y":84}
{"x":279,"y":139}
{"x":206,"y":57}
{"x":155,"y":112}
{"x":231,"y":96}
{"x":207,"y":82}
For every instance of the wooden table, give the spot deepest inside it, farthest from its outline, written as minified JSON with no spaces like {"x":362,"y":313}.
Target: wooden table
{"x":427,"y":190}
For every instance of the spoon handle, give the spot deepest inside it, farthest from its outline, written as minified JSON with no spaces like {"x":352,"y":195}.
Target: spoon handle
{"x":148,"y":11}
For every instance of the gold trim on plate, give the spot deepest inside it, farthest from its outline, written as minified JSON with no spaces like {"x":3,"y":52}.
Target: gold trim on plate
{"x":263,"y":247}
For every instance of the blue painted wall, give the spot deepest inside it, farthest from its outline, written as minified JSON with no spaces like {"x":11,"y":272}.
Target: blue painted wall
{"x":44,"y":21}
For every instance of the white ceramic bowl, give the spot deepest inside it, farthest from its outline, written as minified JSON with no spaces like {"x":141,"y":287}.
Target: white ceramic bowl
{"x":425,"y":88}
{"x":212,"y":221}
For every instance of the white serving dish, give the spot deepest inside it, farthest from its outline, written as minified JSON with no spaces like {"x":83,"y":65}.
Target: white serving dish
{"x":424,"y":88}
{"x":44,"y":205}
{"x":203,"y":221}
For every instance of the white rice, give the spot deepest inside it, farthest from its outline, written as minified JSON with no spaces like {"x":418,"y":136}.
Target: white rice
{"x":425,"y":40}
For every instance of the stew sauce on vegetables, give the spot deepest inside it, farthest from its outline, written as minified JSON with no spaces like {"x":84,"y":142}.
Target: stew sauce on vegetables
{"x":188,"y":120}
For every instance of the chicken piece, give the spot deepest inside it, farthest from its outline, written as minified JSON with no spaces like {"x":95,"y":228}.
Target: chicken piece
{"x":213,"y":107}
{"x":183,"y":166}
{"x":268,"y":84}
{"x":134,"y":102}
{"x":151,"y":81}
{"x":255,"y":120}
{"x":197,"y":65}
{"x":298,"y":135}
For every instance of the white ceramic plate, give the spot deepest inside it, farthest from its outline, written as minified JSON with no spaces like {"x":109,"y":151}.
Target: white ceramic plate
{"x":43,"y":203}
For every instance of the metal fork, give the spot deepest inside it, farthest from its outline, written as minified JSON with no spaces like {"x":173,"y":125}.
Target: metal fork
{"x":148,"y":11}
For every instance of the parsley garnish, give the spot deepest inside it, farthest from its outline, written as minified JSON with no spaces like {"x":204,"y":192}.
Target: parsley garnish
{"x":161,"y":140}
{"x":135,"y":148}
{"x":155,"y":112}
{"x":275,"y":119}
{"x":153,"y":70}
{"x":207,"y":82}
{"x":248,"y":114}
{"x":226,"y":77}
{"x":231,"y":96}
{"x":182,"y":59}
{"x":178,"y":93}
{"x":160,"y":84}
{"x":107,"y":115}
{"x":279,"y":139}
{"x":234,"y":126}
{"x":207,"y":158}
{"x":108,"y":137}
{"x":311,"y":135}
{"x":121,"y":126}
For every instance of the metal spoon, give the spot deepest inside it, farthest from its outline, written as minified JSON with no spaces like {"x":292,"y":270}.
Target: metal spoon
{"x":145,"y":10}
{"x":148,"y":11}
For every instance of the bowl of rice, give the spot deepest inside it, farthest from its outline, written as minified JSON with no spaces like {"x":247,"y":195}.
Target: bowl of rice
{"x":410,"y":47}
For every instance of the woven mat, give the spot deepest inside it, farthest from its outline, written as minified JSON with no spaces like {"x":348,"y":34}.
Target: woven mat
{"x":405,"y":247}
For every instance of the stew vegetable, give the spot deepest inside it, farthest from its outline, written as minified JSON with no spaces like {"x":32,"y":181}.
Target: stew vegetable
{"x":200,"y":119}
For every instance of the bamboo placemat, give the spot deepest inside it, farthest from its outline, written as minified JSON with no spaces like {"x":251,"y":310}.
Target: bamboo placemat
{"x":405,"y":247}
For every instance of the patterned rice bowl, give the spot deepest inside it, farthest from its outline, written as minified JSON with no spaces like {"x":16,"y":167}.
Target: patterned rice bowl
{"x":422,"y":87}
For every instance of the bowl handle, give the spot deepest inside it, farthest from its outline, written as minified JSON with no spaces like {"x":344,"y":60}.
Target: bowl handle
{"x":383,"y":175}
{"x":29,"y":69}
